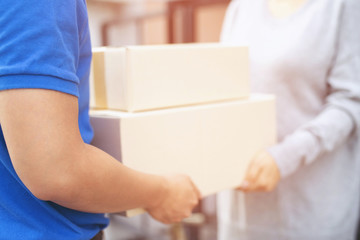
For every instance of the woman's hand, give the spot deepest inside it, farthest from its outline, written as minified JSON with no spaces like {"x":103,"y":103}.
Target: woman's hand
{"x":262,"y":174}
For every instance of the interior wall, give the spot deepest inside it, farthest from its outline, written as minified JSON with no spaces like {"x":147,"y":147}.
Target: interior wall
{"x":154,"y":29}
{"x":209,"y":22}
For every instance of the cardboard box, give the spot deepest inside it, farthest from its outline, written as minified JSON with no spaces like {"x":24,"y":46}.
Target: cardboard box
{"x":144,"y":78}
{"x":211,"y":143}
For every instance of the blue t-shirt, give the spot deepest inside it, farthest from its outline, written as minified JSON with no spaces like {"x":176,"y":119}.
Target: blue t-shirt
{"x":44,"y":44}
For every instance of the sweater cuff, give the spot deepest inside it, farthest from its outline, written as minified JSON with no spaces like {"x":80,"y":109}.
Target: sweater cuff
{"x":296,"y":150}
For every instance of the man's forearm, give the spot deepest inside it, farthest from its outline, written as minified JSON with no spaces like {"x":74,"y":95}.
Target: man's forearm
{"x":96,"y":182}
{"x":49,"y":156}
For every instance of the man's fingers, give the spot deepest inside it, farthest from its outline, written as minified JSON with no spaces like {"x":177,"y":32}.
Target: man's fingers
{"x":197,"y":191}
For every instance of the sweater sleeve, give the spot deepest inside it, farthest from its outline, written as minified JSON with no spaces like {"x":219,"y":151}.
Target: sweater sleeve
{"x":340,"y":117}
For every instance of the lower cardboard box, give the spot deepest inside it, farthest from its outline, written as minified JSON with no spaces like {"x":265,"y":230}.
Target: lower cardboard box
{"x":212,"y":143}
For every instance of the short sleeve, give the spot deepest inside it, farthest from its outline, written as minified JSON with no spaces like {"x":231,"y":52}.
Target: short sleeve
{"x":39,"y":45}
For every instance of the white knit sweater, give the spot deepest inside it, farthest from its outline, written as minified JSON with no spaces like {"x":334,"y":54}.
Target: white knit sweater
{"x":311,"y":62}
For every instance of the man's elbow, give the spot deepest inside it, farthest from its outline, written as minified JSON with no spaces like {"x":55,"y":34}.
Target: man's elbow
{"x":55,"y":190}
{"x":47,"y":180}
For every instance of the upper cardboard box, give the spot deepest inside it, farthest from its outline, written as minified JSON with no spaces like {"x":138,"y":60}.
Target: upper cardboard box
{"x":144,"y":78}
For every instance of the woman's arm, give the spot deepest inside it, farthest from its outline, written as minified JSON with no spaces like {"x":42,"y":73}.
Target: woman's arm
{"x":341,"y":114}
{"x":336,"y":123}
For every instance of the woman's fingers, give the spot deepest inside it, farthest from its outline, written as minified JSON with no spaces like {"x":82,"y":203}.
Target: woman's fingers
{"x":251,"y":176}
{"x":262,"y":174}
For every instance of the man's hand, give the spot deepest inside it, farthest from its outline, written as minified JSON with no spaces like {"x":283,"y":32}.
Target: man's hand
{"x":180,"y":198}
{"x":262,"y":174}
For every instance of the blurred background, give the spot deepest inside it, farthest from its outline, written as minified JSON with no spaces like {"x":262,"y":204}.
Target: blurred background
{"x":134,"y":22}
{"x":144,"y":22}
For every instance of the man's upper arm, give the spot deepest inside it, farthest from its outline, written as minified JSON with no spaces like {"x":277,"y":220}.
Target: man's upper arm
{"x":38,"y":87}
{"x":41,"y":130}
